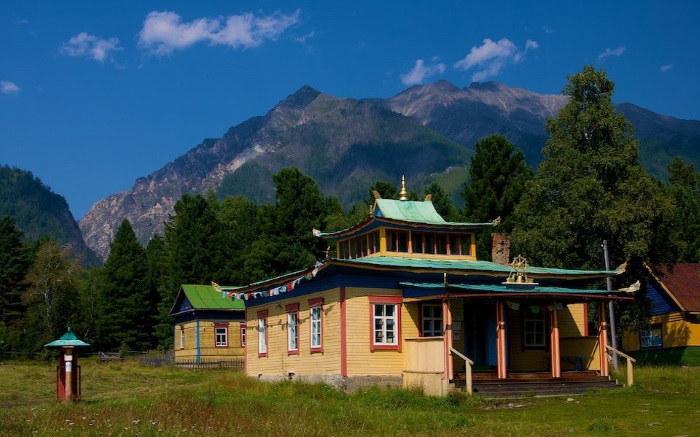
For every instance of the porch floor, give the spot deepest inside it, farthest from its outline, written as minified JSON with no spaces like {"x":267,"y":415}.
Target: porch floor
{"x":535,"y":383}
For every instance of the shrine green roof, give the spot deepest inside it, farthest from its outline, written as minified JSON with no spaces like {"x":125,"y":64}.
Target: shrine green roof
{"x":206,"y":297}
{"x":67,"y":340}
{"x":471,"y":266}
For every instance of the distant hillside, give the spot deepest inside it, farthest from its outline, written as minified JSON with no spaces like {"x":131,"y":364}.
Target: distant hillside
{"x":426,"y":132}
{"x":39,"y":212}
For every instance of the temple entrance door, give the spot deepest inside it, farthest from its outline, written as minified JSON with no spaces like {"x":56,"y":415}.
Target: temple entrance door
{"x":480,"y":333}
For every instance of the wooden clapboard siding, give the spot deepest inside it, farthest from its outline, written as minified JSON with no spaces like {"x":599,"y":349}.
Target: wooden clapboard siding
{"x":519,"y":358}
{"x":360,"y":358}
{"x":572,"y":320}
{"x":278,"y":361}
{"x":207,"y":340}
{"x":675,"y":332}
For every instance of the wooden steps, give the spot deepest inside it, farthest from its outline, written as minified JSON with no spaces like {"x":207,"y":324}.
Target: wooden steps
{"x":536,"y":384}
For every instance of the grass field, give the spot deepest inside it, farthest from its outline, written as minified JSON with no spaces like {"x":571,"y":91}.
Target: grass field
{"x":125,"y":399}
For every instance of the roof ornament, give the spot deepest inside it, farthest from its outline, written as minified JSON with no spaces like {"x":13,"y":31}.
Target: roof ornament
{"x":518,"y":273}
{"x":403,"y":194}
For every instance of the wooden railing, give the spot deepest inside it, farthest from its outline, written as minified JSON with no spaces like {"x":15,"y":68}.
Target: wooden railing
{"x":467,"y":368}
{"x":630,"y":367}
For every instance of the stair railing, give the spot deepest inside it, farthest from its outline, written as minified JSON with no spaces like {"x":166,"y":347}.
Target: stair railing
{"x":468,"y":368}
{"x":630,"y":367}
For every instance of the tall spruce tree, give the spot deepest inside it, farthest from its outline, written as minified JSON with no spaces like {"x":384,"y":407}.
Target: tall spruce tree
{"x":590,"y":187}
{"x":14,"y":262}
{"x":684,"y":188}
{"x":126,"y":304}
{"x":498,"y":175}
{"x":441,"y":201}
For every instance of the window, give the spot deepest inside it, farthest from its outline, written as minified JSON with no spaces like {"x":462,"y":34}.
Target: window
{"x":243,"y":333}
{"x":535,"y":329}
{"x":292,"y":328}
{"x":431,"y":320}
{"x":182,"y":336}
{"x":386,"y":321}
{"x":650,"y":337}
{"x":441,"y":244}
{"x":316,"y":318}
{"x":262,"y":333}
{"x":221,"y":334}
{"x":397,"y":241}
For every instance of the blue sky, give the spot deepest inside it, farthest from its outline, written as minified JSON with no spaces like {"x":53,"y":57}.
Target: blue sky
{"x":95,"y":94}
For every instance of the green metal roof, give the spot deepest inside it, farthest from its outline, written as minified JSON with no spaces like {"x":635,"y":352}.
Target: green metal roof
{"x":206,"y":297}
{"x":507,"y":289}
{"x":415,"y":212}
{"x":67,"y":340}
{"x":466,"y":266}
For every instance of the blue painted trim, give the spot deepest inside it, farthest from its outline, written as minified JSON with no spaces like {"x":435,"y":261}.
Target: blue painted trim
{"x":197,"y":342}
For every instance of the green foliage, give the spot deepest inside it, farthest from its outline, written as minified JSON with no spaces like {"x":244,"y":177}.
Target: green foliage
{"x":591,"y":188}
{"x":38,"y":211}
{"x":14,"y":262}
{"x":126,"y":308}
{"x":441,"y":202}
{"x":684,"y":189}
{"x":50,"y":295}
{"x":498,"y":175}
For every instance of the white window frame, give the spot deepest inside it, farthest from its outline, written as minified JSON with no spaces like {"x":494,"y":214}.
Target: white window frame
{"x":293,"y":332}
{"x":244,"y":329}
{"x":381,"y":322}
{"x":221,"y":335}
{"x":182,"y":337}
{"x":262,"y":336}
{"x":316,"y":318}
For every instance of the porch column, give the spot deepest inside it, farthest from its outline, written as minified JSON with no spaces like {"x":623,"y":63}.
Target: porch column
{"x":555,"y":350}
{"x":447,"y":336}
{"x":603,"y":341}
{"x":501,"y":340}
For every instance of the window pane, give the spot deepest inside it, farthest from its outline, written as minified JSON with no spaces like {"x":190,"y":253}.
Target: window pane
{"x":429,"y":243}
{"x":441,"y":244}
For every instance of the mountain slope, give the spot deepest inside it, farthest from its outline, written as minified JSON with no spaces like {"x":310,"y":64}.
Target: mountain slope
{"x":321,"y":135}
{"x":346,"y":145}
{"x":39,"y":212}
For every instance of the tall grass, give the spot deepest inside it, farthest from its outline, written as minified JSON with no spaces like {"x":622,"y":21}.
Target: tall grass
{"x":125,"y":399}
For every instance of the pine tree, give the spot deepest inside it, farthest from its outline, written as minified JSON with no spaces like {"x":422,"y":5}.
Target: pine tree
{"x":498,"y":175}
{"x":14,"y":262}
{"x":684,"y":188}
{"x":126,"y":305}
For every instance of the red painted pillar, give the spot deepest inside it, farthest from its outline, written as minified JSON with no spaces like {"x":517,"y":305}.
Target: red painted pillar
{"x":555,"y":349}
{"x":603,"y":341}
{"x":501,"y":340}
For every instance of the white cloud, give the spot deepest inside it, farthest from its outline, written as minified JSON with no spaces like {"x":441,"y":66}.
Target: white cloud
{"x":420,"y":72}
{"x":84,"y":44}
{"x":164,"y":32}
{"x":665,"y":68}
{"x":490,"y":57}
{"x":548,"y":29}
{"x":608,"y":52}
{"x":7,"y":87}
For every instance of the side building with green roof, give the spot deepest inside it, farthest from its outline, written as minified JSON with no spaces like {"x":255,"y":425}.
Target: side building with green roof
{"x":208,"y":325}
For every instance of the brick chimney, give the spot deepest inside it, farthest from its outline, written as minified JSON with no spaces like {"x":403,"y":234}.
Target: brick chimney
{"x":500,"y":249}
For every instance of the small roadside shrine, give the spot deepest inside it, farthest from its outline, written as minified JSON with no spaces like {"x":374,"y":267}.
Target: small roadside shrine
{"x":68,"y":370}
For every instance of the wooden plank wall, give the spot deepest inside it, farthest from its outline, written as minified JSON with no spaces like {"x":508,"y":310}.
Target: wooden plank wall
{"x":207,"y":340}
{"x":278,"y":362}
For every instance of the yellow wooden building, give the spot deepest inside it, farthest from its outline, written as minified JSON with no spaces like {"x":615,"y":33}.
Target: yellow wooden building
{"x":207,"y":325}
{"x":675,"y":314}
{"x":405,"y":301}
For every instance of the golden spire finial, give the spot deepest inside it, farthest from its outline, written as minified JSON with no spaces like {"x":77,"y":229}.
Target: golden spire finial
{"x":403,"y":194}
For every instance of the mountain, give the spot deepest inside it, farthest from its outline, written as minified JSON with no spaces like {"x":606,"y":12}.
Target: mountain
{"x":39,"y":212}
{"x":345,"y":145}
{"x":323,"y":136}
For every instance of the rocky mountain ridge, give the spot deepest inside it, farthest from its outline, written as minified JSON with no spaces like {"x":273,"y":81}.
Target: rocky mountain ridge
{"x":348,"y":144}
